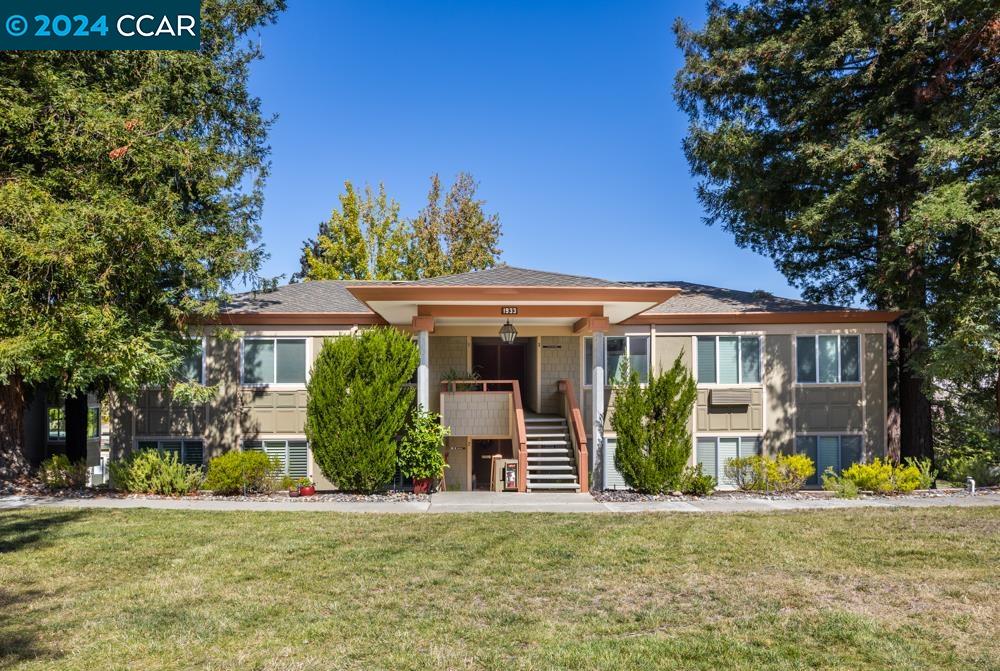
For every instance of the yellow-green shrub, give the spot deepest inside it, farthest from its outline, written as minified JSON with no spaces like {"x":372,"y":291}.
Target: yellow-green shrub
{"x":887,"y":477}
{"x":57,"y":472}
{"x":238,"y":472}
{"x":781,"y":473}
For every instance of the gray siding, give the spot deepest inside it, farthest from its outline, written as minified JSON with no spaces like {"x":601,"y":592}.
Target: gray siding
{"x":560,"y":359}
{"x":829,"y":408}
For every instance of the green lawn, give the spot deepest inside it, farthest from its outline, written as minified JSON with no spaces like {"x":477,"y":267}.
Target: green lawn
{"x":177,"y":590}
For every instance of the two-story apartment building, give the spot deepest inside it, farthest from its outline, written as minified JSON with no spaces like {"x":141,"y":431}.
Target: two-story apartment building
{"x":544,"y":351}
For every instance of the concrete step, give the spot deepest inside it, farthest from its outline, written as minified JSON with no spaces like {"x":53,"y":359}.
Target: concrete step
{"x":531,"y":442}
{"x":541,"y":420}
{"x":552,"y":476}
{"x":538,"y":486}
{"x":549,"y":459}
{"x":547,"y":450}
{"x":552,"y":467}
{"x":532,"y":436}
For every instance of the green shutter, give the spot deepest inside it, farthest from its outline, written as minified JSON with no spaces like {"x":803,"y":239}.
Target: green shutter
{"x":750,"y":360}
{"x":850,"y":359}
{"x":827,"y":455}
{"x":729,"y":359}
{"x":706,"y":456}
{"x":277,"y":449}
{"x":807,"y":445}
{"x":193,"y":452}
{"x":828,"y":371}
{"x":850,"y":450}
{"x":298,"y":458}
{"x":728,"y":449}
{"x":805,"y":359}
{"x":290,"y":361}
{"x":706,"y":359}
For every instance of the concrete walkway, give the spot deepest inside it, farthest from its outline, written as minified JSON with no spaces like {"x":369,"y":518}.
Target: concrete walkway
{"x":486,"y":502}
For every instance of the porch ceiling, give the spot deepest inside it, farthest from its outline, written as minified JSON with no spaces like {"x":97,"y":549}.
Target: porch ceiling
{"x":398,"y":304}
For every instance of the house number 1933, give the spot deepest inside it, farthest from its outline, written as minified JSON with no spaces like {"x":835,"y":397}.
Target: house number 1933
{"x":508,"y":311}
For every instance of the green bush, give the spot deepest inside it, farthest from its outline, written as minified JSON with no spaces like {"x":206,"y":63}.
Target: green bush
{"x":886,"y":477}
{"x":782,"y":473}
{"x":153,"y":472}
{"x":696,"y":483}
{"x":237,"y":472}
{"x":843,"y":488}
{"x":654,"y":444}
{"x":359,"y":400}
{"x":57,"y":472}
{"x":420,"y":454}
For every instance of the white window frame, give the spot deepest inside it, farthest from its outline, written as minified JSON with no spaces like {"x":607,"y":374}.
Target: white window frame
{"x":172,"y":439}
{"x":628,"y":355}
{"x":839,"y":382}
{"x":739,"y":363}
{"x":274,"y":364}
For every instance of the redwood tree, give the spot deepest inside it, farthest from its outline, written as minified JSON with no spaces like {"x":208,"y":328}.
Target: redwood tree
{"x":855,"y":143}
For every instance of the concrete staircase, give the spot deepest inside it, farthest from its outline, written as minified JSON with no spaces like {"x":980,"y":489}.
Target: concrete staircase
{"x":551,"y":458}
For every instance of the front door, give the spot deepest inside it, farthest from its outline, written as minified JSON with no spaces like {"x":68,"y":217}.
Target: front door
{"x":497,"y":361}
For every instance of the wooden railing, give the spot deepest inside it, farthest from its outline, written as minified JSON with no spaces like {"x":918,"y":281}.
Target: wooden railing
{"x":571,"y":411}
{"x":520,"y":437}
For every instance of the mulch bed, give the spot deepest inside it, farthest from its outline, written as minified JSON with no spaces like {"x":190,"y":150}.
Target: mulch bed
{"x":629,"y":496}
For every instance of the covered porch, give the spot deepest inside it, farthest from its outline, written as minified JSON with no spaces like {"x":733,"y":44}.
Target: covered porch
{"x":504,"y":367}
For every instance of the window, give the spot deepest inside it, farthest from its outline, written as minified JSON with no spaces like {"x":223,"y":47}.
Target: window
{"x":57,"y":424}
{"x":622,"y":353}
{"x":192,"y":367}
{"x":836,"y":452}
{"x":712,"y":454}
{"x":728,"y":359}
{"x":292,"y":454}
{"x":93,"y":422}
{"x":190,"y":452}
{"x":828,"y":359}
{"x":274,"y":361}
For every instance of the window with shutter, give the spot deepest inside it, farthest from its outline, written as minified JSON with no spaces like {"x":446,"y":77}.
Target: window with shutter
{"x":729,"y":448}
{"x":298,"y":458}
{"x":706,"y":360}
{"x":705,"y":453}
{"x":807,"y":445}
{"x":729,"y":360}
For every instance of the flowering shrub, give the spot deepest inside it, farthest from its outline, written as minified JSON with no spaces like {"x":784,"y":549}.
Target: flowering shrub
{"x":781,"y":473}
{"x":57,"y":472}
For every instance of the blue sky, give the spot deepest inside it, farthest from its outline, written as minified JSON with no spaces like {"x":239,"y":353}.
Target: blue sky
{"x":562,"y":110}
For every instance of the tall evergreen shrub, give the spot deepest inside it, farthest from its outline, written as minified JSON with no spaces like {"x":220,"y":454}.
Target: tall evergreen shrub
{"x":654,"y":443}
{"x":358,"y":404}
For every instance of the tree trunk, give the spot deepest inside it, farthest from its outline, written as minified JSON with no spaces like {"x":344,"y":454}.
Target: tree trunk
{"x":892,"y":418}
{"x":76,"y":427}
{"x":13,"y":464}
{"x":915,"y":407}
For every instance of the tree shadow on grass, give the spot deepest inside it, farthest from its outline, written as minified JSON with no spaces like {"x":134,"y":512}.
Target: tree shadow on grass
{"x":18,"y":532}
{"x":20,"y":634}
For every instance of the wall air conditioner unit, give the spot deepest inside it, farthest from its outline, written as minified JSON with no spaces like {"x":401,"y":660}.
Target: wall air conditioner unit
{"x":729,"y":397}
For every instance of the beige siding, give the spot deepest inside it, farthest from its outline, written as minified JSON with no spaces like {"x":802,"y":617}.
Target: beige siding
{"x":272,"y":412}
{"x":560,"y":359}
{"x":875,"y":408}
{"x":823,"y":408}
{"x":446,"y":353}
{"x":157,"y":415}
{"x":778,"y":372}
{"x":723,"y":418}
{"x":667,"y":349}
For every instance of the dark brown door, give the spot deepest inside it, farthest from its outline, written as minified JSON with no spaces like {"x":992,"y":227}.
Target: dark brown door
{"x":499,"y":362}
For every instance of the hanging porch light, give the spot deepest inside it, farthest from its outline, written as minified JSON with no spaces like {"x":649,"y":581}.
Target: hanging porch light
{"x":508,"y":333}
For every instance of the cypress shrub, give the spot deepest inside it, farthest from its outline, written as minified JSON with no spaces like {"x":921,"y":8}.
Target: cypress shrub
{"x":654,"y":443}
{"x":358,"y":403}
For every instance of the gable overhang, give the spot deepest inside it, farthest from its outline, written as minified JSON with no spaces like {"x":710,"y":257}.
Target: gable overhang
{"x":464,"y":304}
{"x":296,"y":318}
{"x":791,"y":317}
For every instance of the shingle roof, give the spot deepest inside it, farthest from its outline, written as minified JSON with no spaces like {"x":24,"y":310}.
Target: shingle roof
{"x":311,"y":296}
{"x":319,"y":296}
{"x":702,"y":298}
{"x":512,"y":276}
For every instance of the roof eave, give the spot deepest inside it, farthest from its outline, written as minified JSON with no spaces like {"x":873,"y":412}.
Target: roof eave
{"x":791,"y":317}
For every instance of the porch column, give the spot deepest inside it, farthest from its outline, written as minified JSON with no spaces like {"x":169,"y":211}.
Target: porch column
{"x":597,"y":441}
{"x":423,"y":326}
